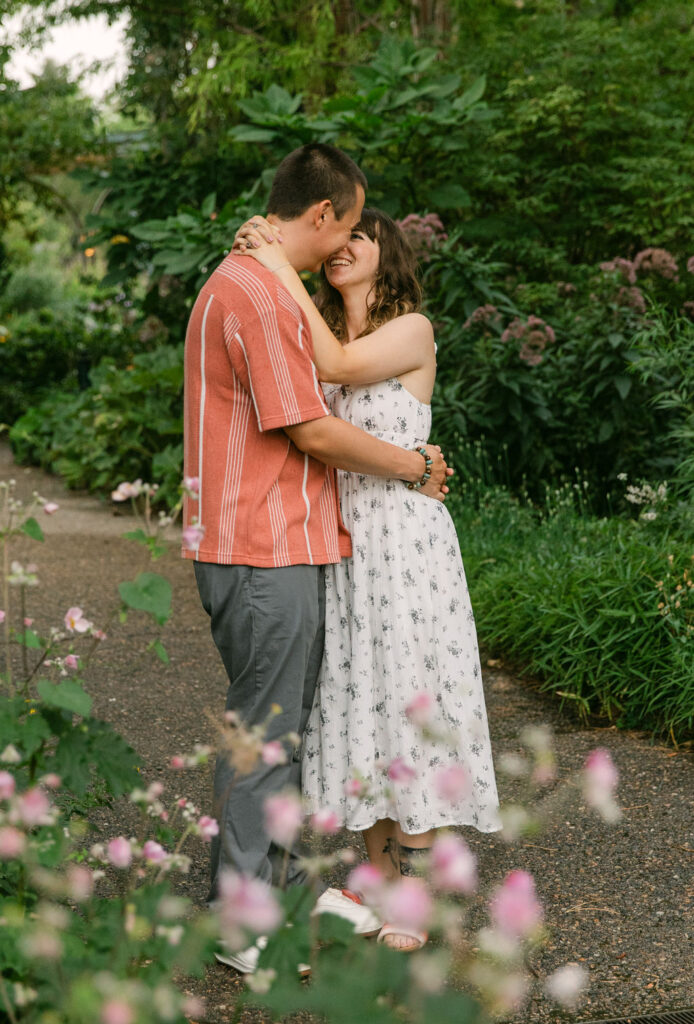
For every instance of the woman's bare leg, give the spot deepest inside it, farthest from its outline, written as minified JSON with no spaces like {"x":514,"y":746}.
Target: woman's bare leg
{"x":382,"y":848}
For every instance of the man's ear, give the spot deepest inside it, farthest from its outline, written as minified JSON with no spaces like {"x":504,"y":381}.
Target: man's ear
{"x":321,"y":213}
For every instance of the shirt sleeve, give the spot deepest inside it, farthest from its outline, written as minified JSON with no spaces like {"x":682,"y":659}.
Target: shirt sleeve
{"x":271,"y":354}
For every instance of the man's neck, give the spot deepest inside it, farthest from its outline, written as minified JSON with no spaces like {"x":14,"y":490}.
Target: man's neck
{"x":293,"y":241}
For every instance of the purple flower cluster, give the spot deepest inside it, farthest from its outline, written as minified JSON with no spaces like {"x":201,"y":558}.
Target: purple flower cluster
{"x":620,"y":266}
{"x":486,"y":315}
{"x":657,"y":261}
{"x":632,"y":297}
{"x":533,"y":334}
{"x":423,"y":233}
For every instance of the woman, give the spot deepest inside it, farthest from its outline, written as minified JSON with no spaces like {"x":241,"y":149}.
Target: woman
{"x":399,"y":706}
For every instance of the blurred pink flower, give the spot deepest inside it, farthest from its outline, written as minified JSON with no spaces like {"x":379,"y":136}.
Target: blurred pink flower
{"x":620,"y":266}
{"x":423,"y":233}
{"x":657,"y":261}
{"x":33,"y":808}
{"x":192,"y":484}
{"x":400,"y":771}
{"x":408,"y":903}
{"x":273,"y":753}
{"x":283,"y":817}
{"x":690,"y":265}
{"x":452,"y":783}
{"x":50,"y":507}
{"x":354,"y":787}
{"x":75,"y":621}
{"x":153,"y":852}
{"x":453,"y":865}
{"x":325,"y":822}
{"x":119,"y":852}
{"x":486,"y":315}
{"x":28,"y":622}
{"x":632,"y":297}
{"x":117,"y":1011}
{"x":192,"y":535}
{"x":367,"y":881}
{"x":126,"y":490}
{"x":51,"y":781}
{"x":7,"y":785}
{"x":208,"y":827}
{"x":71,"y":661}
{"x":12,"y":842}
{"x":600,"y":779}
{"x":514,"y":908}
{"x":2,"y":615}
{"x":177,"y":761}
{"x":420,"y":708}
{"x":245,"y":905}
{"x":566,"y":984}
{"x":80,"y":882}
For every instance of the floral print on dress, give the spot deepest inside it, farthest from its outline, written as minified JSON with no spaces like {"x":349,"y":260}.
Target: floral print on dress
{"x":398,"y":621}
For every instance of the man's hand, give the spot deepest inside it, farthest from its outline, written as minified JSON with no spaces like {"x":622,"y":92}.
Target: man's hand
{"x":436,"y":486}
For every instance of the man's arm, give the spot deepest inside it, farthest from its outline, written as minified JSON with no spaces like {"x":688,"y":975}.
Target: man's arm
{"x":338,"y":443}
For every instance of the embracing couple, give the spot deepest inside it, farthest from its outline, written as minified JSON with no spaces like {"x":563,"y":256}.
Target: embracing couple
{"x":338,"y":596}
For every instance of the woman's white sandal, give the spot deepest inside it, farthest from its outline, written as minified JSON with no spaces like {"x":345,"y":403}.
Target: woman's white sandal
{"x":409,"y":933}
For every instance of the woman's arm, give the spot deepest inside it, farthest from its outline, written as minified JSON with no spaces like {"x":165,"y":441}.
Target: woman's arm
{"x":403,"y":344}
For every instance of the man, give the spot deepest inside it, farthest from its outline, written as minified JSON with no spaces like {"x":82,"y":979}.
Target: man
{"x":261,"y":441}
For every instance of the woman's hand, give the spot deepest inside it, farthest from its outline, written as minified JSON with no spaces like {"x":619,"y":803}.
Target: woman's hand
{"x":259,"y":239}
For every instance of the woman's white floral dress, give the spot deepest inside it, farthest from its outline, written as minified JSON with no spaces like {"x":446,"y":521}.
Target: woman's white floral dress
{"x":398,"y":621}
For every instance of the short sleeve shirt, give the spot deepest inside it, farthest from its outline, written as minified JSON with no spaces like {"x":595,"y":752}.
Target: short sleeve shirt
{"x":248,"y":374}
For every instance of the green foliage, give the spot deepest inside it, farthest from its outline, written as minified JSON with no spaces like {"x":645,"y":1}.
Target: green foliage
{"x":589,"y":606}
{"x":46,"y":347}
{"x":112,"y":430}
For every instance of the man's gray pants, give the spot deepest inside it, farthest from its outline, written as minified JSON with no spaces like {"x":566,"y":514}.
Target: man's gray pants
{"x":268,"y":625}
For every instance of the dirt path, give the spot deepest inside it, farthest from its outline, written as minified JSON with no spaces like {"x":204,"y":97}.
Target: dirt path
{"x":619,"y":899}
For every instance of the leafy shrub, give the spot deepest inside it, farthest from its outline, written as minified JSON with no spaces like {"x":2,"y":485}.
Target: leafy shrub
{"x":600,"y":610}
{"x":114,"y":429}
{"x":33,"y":287}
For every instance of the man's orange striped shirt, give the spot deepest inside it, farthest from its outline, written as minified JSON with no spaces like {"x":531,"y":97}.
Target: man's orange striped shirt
{"x":248,"y":373}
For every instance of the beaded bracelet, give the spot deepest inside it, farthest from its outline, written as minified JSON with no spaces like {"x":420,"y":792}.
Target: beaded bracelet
{"x":426,"y":475}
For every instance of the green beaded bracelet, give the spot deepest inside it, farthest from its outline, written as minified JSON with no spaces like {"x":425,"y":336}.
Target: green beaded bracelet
{"x":426,"y":475}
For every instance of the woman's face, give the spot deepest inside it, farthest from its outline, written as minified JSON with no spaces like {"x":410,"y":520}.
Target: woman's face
{"x":356,"y":263}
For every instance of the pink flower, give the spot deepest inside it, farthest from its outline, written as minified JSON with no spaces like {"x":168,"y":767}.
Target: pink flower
{"x":354,"y":787}
{"x":12,"y":842}
{"x":283,"y":817}
{"x":177,"y":761}
{"x":367,"y":881}
{"x":657,"y":261}
{"x":453,"y":865}
{"x":274,"y":753}
{"x":407,"y":902}
{"x":600,"y":778}
{"x":151,"y":851}
{"x":192,"y":536}
{"x":80,"y":882}
{"x":620,"y":266}
{"x":7,"y":785}
{"x":28,"y":622}
{"x":420,"y":708}
{"x":51,"y":781}
{"x":71,"y":661}
{"x":325,"y":822}
{"x":566,"y":984}
{"x":126,"y":490}
{"x":400,"y":771}
{"x":452,"y":783}
{"x":2,"y":615}
{"x":690,"y":265}
{"x":33,"y":808}
{"x":514,"y":908}
{"x":208,"y":827}
{"x":119,"y":852}
{"x":50,"y":508}
{"x":245,"y":905}
{"x":117,"y":1011}
{"x":632,"y":297}
{"x":75,"y":621}
{"x":192,"y":484}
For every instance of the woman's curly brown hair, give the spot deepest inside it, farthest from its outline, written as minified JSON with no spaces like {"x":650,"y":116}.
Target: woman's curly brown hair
{"x":396,"y":289}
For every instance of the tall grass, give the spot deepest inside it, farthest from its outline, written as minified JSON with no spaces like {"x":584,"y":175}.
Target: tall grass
{"x":601,"y":611}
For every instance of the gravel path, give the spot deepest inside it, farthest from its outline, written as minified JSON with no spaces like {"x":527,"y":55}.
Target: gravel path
{"x":618,"y":899}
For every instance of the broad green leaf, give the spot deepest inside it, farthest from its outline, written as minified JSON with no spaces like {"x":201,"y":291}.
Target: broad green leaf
{"x":31,"y":639}
{"x":148,"y":593}
{"x":208,"y":204}
{"x":250,"y":133}
{"x":471,"y":95}
{"x":32,"y":529}
{"x":67,"y":694}
{"x":160,"y":651}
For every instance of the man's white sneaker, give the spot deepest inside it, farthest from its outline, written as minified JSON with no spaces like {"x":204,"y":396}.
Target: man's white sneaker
{"x":246,"y":960}
{"x":348,"y":905}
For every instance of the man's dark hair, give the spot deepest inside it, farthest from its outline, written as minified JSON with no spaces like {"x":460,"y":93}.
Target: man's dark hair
{"x":310,"y":174}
